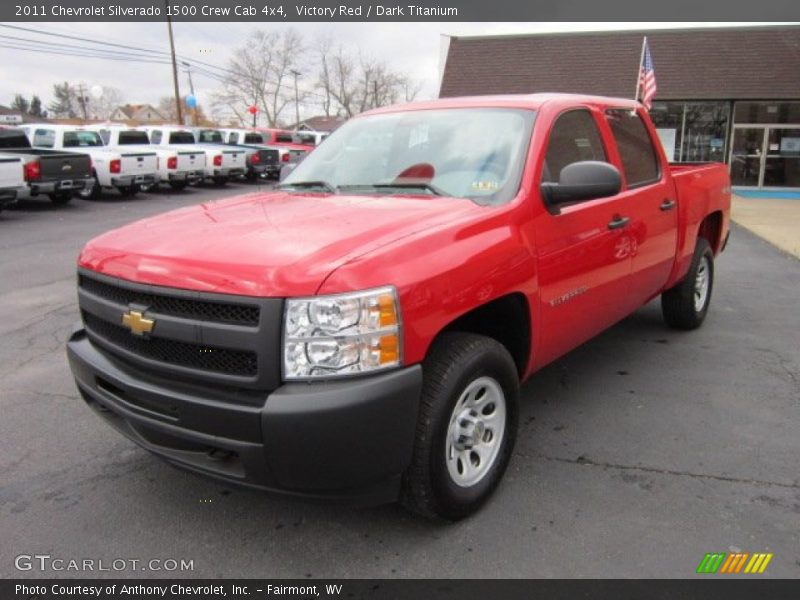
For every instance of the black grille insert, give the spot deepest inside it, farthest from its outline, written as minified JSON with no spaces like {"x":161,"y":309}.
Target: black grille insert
{"x":196,"y":356}
{"x":186,"y":308}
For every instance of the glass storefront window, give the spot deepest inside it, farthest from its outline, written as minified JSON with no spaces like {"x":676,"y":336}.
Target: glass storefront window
{"x":767,"y":112}
{"x":704,"y":132}
{"x":692,"y":131}
{"x":782,"y":166}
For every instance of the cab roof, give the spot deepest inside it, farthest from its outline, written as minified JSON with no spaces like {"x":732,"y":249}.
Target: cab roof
{"x":525,"y":101}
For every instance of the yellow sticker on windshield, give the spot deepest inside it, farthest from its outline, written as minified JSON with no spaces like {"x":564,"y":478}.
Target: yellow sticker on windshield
{"x":485,"y":186}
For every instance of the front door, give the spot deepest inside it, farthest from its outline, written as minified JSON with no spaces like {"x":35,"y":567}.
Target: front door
{"x":584,"y":253}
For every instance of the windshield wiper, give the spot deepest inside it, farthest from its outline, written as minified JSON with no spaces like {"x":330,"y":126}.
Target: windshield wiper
{"x":405,"y":185}
{"x":311,"y":184}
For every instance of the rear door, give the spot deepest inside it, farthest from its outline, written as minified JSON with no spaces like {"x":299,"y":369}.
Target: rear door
{"x":583,"y":252}
{"x":652,"y":203}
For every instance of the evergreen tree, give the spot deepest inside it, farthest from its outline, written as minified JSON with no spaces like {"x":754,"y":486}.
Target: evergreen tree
{"x":63,"y":104}
{"x":35,"y":109}
{"x":20,"y":104}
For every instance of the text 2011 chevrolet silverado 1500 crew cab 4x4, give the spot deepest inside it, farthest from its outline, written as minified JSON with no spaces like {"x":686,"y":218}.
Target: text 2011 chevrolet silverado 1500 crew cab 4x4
{"x":362,"y":332}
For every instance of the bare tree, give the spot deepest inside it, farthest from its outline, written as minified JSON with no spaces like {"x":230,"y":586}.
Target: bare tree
{"x":102,"y":106}
{"x":354,"y":83}
{"x":166,"y":106}
{"x":260,"y":74}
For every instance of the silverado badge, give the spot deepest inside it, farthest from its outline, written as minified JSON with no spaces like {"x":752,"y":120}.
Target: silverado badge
{"x":137,"y":323}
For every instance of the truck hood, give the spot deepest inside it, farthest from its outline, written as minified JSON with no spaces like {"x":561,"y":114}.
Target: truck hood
{"x":268,"y":245}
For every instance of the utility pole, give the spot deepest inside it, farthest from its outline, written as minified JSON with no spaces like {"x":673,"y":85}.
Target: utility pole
{"x":174,"y":67}
{"x":296,"y":74}
{"x":82,"y":101}
{"x":191,"y":89}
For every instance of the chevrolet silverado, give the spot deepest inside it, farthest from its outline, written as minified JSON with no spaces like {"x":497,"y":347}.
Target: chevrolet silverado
{"x":362,"y":332}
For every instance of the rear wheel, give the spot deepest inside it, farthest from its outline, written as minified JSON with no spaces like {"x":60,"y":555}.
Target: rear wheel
{"x":685,"y":306}
{"x":91,"y":192}
{"x":60,"y":198}
{"x":466,"y":426}
{"x":129,"y":191}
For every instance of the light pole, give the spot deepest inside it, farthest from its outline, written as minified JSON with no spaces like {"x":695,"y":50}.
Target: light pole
{"x":174,"y":67}
{"x":296,"y":74}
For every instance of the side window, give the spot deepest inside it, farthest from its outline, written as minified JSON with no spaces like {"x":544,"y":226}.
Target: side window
{"x":232,"y":138}
{"x":105,"y":135}
{"x":574,"y":138}
{"x":44,"y":138}
{"x":639,"y":158}
{"x":155,"y":137}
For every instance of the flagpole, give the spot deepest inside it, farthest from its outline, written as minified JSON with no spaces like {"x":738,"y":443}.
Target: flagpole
{"x":639,"y":70}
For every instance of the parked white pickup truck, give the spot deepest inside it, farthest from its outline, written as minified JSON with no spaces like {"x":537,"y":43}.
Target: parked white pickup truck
{"x":178,"y":166}
{"x":125,"y":171}
{"x":12,"y":179}
{"x":222,"y":164}
{"x":256,"y":139}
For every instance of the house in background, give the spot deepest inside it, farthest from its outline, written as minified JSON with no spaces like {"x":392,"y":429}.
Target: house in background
{"x":141,"y":113}
{"x":10,"y":116}
{"x":319,"y":124}
{"x":727,"y":94}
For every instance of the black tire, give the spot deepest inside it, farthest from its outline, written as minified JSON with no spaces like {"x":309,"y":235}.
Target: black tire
{"x":92,"y":193}
{"x":456,"y":362}
{"x":178,"y":186}
{"x":221,"y":180}
{"x":129,"y":191}
{"x":60,"y":198}
{"x":685,"y":306}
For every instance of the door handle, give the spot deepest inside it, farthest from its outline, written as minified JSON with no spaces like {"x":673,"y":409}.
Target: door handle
{"x":618,"y":222}
{"x":667,"y":204}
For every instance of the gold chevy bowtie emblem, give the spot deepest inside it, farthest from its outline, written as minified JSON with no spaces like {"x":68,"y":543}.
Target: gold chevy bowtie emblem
{"x":137,"y":323}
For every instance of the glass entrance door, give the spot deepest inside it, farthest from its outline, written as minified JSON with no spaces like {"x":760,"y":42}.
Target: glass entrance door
{"x":748,"y":150}
{"x":782,"y":164}
{"x":766,"y":156}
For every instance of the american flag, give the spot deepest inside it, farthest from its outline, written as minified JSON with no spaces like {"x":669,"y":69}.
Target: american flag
{"x":647,"y":78}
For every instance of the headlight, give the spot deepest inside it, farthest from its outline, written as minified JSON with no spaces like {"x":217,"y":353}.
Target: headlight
{"x":344,"y":334}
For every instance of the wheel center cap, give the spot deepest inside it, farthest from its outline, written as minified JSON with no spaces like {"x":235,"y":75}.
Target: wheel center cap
{"x":470,"y":432}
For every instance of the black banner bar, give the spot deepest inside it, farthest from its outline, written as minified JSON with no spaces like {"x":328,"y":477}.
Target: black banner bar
{"x":711,"y":588}
{"x":285,"y":11}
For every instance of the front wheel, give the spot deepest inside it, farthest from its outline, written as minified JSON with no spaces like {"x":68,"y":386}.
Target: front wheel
{"x":685,"y":306}
{"x":466,"y":427}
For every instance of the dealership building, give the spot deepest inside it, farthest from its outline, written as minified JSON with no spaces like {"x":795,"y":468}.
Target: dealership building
{"x":724,"y":94}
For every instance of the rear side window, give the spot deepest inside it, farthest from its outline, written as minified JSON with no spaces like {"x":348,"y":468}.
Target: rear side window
{"x":253,"y":138}
{"x":105,"y":135}
{"x":639,"y":159}
{"x":44,"y":138}
{"x":232,"y":137}
{"x":82,"y":139}
{"x":155,"y":136}
{"x":284,"y":137}
{"x":181,"y":137}
{"x":574,"y":138}
{"x":131,"y":138}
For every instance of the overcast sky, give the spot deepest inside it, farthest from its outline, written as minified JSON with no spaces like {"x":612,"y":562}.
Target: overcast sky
{"x":413,"y":48}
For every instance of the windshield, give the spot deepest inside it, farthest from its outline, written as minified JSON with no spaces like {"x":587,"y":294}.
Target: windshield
{"x":210,"y":137}
{"x":82,"y":139}
{"x":130,"y":138}
{"x":181,"y":137}
{"x":475,"y":153}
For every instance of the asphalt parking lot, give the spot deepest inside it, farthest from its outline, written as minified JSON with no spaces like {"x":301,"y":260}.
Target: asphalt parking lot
{"x":639,"y":452}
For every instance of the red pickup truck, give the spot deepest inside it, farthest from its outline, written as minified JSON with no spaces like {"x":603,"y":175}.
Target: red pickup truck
{"x":362,"y":332}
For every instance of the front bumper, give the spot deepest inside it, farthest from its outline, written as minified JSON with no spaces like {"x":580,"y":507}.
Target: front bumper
{"x":344,"y":440}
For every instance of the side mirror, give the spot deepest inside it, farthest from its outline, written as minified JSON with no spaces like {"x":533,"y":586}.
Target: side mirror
{"x":585,"y":180}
